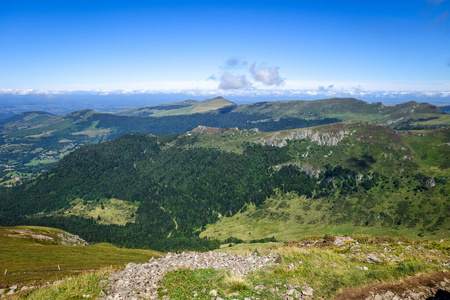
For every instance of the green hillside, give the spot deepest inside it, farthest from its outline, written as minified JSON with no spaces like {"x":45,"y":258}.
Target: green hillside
{"x":344,"y":177}
{"x":32,"y":255}
{"x":178,"y":108}
{"x":348,"y":109}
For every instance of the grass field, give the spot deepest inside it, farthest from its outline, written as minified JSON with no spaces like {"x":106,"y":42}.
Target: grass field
{"x":288,"y":216}
{"x":36,"y":162}
{"x":35,"y":255}
{"x":200,"y":107}
{"x":105,"y":211}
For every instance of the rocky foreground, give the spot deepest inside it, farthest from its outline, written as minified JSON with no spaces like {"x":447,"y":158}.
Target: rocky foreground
{"x":141,"y":280}
{"x":329,"y":267}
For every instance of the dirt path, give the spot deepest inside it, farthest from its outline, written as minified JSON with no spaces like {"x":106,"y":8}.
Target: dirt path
{"x":433,"y":286}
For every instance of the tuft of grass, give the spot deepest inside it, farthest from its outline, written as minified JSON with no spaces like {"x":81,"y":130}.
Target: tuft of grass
{"x":190,"y":284}
{"x":86,"y":285}
{"x":235,"y":283}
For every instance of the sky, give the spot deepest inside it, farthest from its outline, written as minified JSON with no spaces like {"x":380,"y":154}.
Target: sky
{"x":293,"y":49}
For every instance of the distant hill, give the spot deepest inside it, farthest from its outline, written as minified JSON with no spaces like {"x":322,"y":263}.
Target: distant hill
{"x":32,"y":142}
{"x":347,"y":109}
{"x":445,"y":108}
{"x":345,"y":177}
{"x":178,"y":108}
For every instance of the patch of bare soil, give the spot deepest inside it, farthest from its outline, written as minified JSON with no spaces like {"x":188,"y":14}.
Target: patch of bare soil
{"x":432,"y":286}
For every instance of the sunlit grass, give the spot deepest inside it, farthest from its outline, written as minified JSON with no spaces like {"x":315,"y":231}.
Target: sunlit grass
{"x":29,"y":260}
{"x":87,"y":285}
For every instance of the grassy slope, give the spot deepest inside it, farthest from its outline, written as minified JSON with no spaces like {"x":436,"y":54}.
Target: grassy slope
{"x":190,"y":107}
{"x":29,"y":259}
{"x":325,"y":266}
{"x":348,"y":109}
{"x":105,"y":211}
{"x":345,"y":108}
{"x":325,"y":269}
{"x":212,"y":104}
{"x":288,"y":216}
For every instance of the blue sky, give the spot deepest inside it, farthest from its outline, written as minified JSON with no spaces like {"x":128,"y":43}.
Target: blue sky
{"x":213,"y":47}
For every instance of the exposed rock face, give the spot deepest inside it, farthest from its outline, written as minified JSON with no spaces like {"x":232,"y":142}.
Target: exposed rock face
{"x":63,"y":238}
{"x":430,"y":183}
{"x":328,"y":138}
{"x":213,"y":130}
{"x":69,"y":239}
{"x":140,"y":280}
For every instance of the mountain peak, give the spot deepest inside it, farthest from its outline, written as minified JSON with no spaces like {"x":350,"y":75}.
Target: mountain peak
{"x":218,"y":99}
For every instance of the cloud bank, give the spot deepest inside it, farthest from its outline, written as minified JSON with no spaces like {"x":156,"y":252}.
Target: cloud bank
{"x":234,"y":75}
{"x":254,"y":94}
{"x":229,"y":81}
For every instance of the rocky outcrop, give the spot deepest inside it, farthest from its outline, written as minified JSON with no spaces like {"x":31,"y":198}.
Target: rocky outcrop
{"x":141,"y":280}
{"x":430,"y":183}
{"x":68,"y":239}
{"x":45,"y":236}
{"x":328,"y":138}
{"x":213,"y":130}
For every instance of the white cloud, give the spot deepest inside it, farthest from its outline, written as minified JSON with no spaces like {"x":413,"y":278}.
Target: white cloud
{"x":229,"y":81}
{"x":266,"y":75}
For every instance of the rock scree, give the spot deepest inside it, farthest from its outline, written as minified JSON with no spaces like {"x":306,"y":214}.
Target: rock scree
{"x":141,"y":280}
